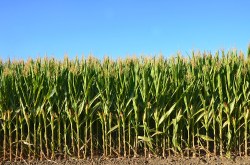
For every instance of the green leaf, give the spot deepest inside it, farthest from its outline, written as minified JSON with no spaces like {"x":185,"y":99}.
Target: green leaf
{"x":225,"y":124}
{"x":165,"y":116}
{"x":204,"y":137}
{"x":145,"y":139}
{"x":112,"y":129}
{"x":157,"y":133}
{"x":232,"y":106}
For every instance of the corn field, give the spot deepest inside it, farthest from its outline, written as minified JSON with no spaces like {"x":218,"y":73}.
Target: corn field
{"x":83,"y":108}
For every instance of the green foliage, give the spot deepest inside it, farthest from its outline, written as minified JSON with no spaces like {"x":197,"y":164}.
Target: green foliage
{"x":81,"y":108}
{"x":248,"y":51}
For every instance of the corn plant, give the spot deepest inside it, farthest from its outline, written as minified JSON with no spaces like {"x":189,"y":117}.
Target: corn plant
{"x":84,"y":108}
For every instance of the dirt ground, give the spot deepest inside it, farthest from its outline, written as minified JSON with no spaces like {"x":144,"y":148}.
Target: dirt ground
{"x":139,"y":161}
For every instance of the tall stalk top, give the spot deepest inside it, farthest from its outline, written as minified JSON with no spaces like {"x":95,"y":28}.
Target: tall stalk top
{"x":248,"y":50}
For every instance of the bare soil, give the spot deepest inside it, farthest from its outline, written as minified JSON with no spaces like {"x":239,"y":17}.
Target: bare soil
{"x":141,"y":161}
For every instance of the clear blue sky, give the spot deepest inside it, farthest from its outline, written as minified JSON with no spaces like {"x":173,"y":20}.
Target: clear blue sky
{"x":117,"y":28}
